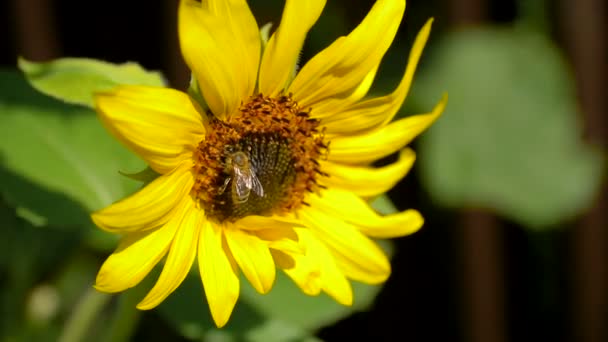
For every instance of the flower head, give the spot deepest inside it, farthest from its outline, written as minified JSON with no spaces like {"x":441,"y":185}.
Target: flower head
{"x":271,"y":170}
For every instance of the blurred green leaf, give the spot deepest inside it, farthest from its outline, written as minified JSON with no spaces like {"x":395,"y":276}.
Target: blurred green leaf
{"x":187,"y":311}
{"x":383,"y":205}
{"x":289,"y":303}
{"x":56,"y":161}
{"x":75,"y":80}
{"x":278,"y":330}
{"x":29,"y":258}
{"x":510,"y":139}
{"x":283,"y":314}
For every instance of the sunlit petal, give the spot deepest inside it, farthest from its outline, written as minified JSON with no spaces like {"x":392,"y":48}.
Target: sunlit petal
{"x":253,"y":257}
{"x":368,"y":181}
{"x":137,"y":254}
{"x":148,"y":208}
{"x":283,"y":49}
{"x":370,"y":146}
{"x":338,"y":71}
{"x":357,"y":256}
{"x":256,"y":222}
{"x":332,"y":277}
{"x":350,"y":208}
{"x":377,"y":111}
{"x":221,"y":44}
{"x":159,"y":124}
{"x":218,"y":273}
{"x":180,"y":258}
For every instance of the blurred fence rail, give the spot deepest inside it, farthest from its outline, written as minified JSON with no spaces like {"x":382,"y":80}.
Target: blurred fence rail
{"x":585,"y":27}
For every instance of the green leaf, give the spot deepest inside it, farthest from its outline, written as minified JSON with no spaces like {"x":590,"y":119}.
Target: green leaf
{"x":383,"y":205}
{"x":303,"y":311}
{"x":259,"y":317}
{"x":187,"y":311}
{"x":75,"y":80}
{"x":510,"y":139}
{"x":30,"y":258}
{"x":56,"y":160}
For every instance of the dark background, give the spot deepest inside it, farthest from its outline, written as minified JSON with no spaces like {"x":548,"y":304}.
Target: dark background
{"x":468,"y":275}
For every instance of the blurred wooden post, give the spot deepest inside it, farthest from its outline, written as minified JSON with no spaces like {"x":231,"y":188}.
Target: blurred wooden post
{"x":36,"y":29}
{"x":483,"y":283}
{"x":482,"y":253}
{"x":467,"y":12}
{"x":584,"y":26}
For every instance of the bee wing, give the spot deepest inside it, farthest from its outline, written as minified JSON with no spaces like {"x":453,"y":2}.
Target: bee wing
{"x":242,"y":184}
{"x":256,"y":186}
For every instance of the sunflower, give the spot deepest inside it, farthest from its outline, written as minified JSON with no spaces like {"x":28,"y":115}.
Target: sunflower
{"x":260,"y":167}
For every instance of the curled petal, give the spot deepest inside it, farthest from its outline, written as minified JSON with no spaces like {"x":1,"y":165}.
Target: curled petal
{"x":378,"y":111}
{"x":350,"y":208}
{"x":281,"y":239}
{"x":302,"y":269}
{"x":337,"y":72}
{"x":368,"y":181}
{"x":378,"y":143}
{"x":331,"y":277}
{"x":357,"y":256}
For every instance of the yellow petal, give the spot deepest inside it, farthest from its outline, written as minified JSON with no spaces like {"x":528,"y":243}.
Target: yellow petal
{"x":159,"y":124}
{"x":218,"y":273}
{"x":380,"y":110}
{"x":256,"y":222}
{"x":281,"y":53}
{"x":282,"y":259}
{"x":332,"y":278}
{"x":370,"y":146}
{"x":303,"y":270}
{"x":253,"y":257}
{"x":357,"y":256}
{"x":135,"y":257}
{"x":337,"y":71}
{"x":283,"y":239}
{"x":368,"y":181}
{"x":307,"y":269}
{"x":346,"y":206}
{"x":326,"y":108}
{"x":278,"y":233}
{"x":180,"y":258}
{"x":148,"y":208}
{"x":287,"y":246}
{"x":221,"y":44}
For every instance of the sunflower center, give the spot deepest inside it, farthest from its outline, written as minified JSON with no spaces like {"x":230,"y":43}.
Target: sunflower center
{"x":261,"y":161}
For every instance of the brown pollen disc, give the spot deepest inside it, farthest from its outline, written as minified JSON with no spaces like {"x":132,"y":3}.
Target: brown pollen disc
{"x":261,"y":161}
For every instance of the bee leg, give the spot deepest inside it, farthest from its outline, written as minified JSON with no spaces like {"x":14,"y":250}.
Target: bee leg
{"x":224,"y":186}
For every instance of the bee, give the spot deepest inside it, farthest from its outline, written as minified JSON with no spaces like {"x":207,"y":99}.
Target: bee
{"x":243,"y":177}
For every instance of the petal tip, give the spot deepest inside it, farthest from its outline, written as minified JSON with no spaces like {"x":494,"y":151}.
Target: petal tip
{"x":221,"y":317}
{"x":145,"y":306}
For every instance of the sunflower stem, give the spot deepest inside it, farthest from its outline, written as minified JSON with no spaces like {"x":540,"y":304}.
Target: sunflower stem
{"x":85,"y":312}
